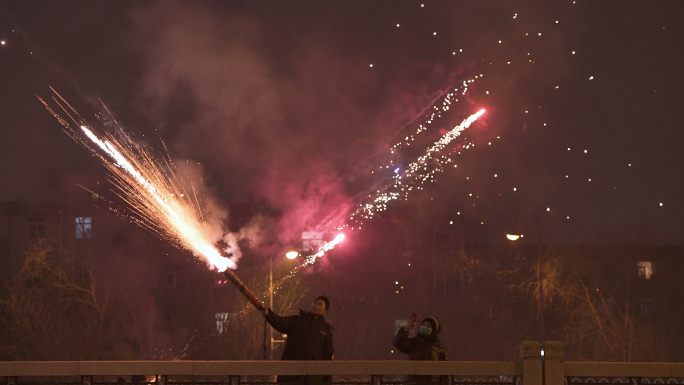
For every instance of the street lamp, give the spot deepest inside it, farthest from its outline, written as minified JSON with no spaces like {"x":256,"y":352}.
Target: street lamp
{"x":514,"y":236}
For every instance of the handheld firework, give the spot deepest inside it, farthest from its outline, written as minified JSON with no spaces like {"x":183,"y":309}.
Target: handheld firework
{"x":244,"y":290}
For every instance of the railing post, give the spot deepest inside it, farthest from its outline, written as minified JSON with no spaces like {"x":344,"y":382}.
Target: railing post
{"x":530,"y":353}
{"x":553,"y":352}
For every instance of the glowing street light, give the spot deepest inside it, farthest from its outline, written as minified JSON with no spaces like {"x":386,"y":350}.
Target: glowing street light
{"x":292,"y":254}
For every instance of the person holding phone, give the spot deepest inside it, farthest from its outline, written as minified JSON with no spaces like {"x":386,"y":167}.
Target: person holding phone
{"x":423,"y":347}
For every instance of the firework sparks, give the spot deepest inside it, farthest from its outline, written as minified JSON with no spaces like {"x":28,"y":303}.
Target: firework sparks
{"x":153,"y":192}
{"x":152,"y":196}
{"x":325,"y":248}
{"x":415,"y":174}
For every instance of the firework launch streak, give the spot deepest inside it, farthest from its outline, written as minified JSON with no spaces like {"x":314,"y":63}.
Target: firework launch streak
{"x":154,"y":194}
{"x":244,"y":290}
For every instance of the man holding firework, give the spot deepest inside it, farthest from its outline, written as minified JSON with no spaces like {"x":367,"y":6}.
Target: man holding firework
{"x":309,"y":337}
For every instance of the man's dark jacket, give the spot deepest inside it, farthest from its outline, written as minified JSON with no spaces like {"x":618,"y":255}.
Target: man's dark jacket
{"x":308,"y":336}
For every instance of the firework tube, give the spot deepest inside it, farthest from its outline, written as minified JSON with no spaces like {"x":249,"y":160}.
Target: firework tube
{"x":244,"y":290}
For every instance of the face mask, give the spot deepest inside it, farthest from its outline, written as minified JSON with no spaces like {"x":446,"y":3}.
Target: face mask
{"x":425,"y":331}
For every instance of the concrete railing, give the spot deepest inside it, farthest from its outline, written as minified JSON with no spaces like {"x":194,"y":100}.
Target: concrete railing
{"x":255,"y":368}
{"x":527,"y":370}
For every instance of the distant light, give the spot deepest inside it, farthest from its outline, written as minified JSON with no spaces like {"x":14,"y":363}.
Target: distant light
{"x":422,"y":5}
{"x":397,"y":282}
{"x":515,"y":189}
{"x":585,"y":151}
{"x":397,"y":25}
{"x":451,"y":222}
{"x":661,"y":204}
{"x":512,"y":237}
{"x":548,"y":209}
{"x":434,"y":33}
{"x":573,"y":52}
{"x":2,"y":42}
{"x":291,"y":254}
{"x":371,"y":66}
{"x":591,"y":78}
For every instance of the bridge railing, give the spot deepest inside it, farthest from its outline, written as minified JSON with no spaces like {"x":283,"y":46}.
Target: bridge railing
{"x":526,"y":371}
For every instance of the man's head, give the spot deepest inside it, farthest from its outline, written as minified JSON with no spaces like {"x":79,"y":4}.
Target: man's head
{"x":320,"y":305}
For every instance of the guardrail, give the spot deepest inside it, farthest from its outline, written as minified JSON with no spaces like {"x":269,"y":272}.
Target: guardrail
{"x":527,"y":371}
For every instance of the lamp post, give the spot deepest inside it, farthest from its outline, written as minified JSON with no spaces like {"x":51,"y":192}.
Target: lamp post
{"x":536,"y":213}
{"x":290,"y":255}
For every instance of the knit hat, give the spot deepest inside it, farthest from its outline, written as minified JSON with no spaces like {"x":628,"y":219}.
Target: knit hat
{"x":434,"y":323}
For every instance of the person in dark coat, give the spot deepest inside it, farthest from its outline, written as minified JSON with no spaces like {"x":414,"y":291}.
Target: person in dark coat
{"x":423,"y":347}
{"x":309,"y":338}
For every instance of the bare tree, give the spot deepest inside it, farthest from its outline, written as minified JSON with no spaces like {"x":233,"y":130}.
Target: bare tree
{"x":603,"y":317}
{"x":52,"y":309}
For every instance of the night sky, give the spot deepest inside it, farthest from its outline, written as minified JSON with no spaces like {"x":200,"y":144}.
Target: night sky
{"x":297,"y":104}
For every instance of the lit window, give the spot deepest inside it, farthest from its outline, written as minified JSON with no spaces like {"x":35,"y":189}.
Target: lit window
{"x":83,"y":227}
{"x":400,"y":323}
{"x":223,"y":320}
{"x":311,"y":240}
{"x":645,"y":269}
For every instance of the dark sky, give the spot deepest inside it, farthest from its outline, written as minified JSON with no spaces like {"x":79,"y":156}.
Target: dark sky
{"x":295,"y":102}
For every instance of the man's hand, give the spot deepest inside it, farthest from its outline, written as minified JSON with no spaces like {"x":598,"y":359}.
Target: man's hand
{"x":264,"y":312}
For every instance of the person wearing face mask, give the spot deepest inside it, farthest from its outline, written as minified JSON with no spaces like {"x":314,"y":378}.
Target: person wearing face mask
{"x":423,"y":347}
{"x":309,"y":337}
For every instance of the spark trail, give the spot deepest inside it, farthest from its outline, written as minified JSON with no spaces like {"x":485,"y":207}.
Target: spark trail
{"x":152,"y":190}
{"x":415,"y":174}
